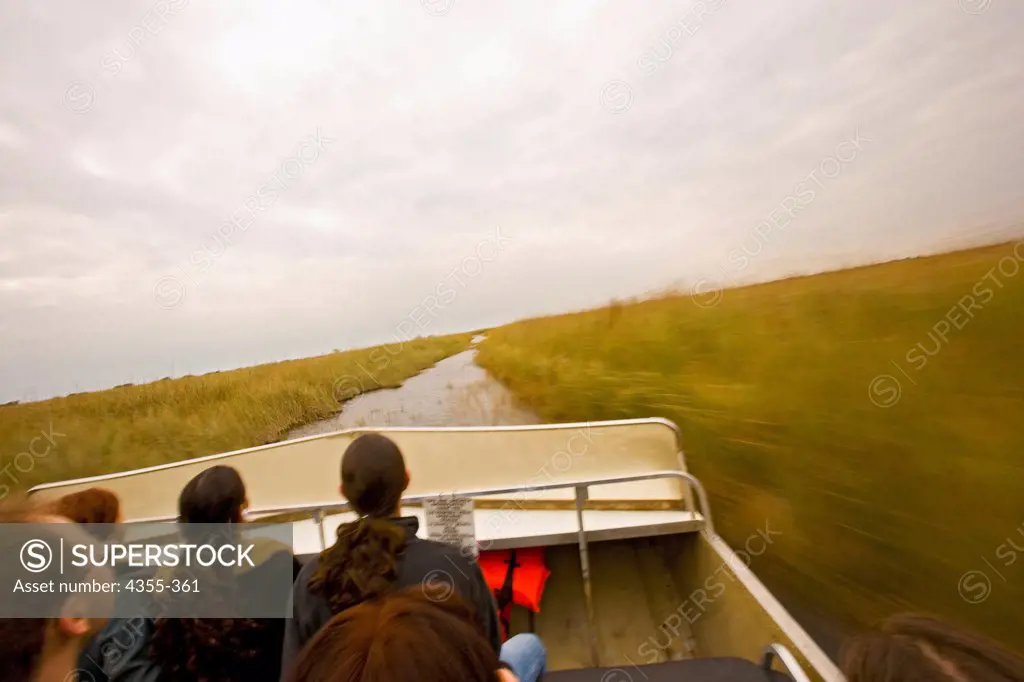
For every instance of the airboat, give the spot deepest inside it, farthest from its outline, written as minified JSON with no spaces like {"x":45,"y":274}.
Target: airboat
{"x":639,"y":586}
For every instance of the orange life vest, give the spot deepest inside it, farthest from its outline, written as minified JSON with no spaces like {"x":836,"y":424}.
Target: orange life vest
{"x":516,"y":577}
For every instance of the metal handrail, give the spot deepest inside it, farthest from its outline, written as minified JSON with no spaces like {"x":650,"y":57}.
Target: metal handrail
{"x":323,"y":507}
{"x":581,"y":494}
{"x":787,"y":659}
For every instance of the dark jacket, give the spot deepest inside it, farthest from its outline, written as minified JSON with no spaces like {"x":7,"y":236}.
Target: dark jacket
{"x":120,"y":652}
{"x":419,"y":560}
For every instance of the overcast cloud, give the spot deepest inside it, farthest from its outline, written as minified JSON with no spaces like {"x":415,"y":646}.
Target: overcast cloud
{"x":531,"y":157}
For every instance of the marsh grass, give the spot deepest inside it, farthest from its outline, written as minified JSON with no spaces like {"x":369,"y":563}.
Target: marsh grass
{"x":880,"y":509}
{"x":173,"y":419}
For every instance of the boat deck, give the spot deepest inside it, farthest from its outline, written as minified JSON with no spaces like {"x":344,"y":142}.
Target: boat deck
{"x":634,"y":592}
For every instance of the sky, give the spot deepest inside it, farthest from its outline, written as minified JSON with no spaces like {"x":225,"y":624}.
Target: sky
{"x":187,"y":186}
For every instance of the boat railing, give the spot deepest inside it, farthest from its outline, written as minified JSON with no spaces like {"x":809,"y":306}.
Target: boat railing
{"x":318,"y":510}
{"x":786,"y":658}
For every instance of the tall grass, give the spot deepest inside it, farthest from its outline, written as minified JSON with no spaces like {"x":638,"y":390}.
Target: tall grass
{"x":135,"y":426}
{"x":881,"y":508}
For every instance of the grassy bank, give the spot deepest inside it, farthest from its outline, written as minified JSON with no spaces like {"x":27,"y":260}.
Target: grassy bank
{"x":173,"y":419}
{"x":887,"y":491}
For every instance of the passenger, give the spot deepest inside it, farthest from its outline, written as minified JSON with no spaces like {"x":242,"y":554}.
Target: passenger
{"x":914,"y":648}
{"x":379,"y":552}
{"x":188,"y":649}
{"x":215,"y":495}
{"x":407,"y":636}
{"x":92,"y":505}
{"x":44,"y":649}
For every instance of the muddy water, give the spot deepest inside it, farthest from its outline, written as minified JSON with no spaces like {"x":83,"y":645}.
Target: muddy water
{"x":454,"y":392}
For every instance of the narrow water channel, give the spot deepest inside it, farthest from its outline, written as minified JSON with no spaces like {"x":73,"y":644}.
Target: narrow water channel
{"x":454,"y":392}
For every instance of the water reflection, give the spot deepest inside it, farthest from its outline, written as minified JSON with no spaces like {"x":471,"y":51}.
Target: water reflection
{"x":454,"y":392}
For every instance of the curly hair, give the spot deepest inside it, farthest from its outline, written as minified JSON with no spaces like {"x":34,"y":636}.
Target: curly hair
{"x":363,"y":563}
{"x":210,"y":649}
{"x":910,"y":647}
{"x":404,"y":637}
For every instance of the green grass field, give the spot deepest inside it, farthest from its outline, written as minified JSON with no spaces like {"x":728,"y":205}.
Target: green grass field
{"x":892,"y":469}
{"x":173,"y":419}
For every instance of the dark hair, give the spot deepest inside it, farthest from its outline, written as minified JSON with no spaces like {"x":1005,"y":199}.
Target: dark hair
{"x":92,"y":505}
{"x":404,"y":637}
{"x":21,"y":645}
{"x":363,"y":563}
{"x":373,"y":475}
{"x":200,"y":649}
{"x":215,"y":495}
{"x":915,"y":648}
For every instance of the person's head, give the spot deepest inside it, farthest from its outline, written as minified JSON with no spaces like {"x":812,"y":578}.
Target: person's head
{"x":216,"y":495}
{"x":363,"y":563}
{"x":92,"y":505}
{"x":209,"y":648}
{"x":373,"y":476}
{"x":404,"y":637}
{"x":46,"y":647}
{"x":915,"y":648}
